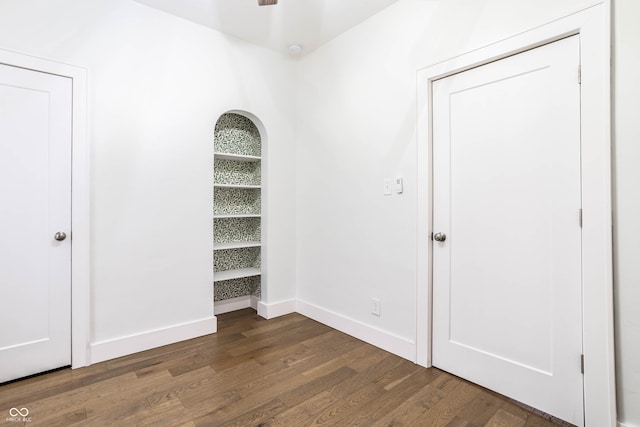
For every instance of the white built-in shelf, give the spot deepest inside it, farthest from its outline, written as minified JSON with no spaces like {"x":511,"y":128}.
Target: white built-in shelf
{"x":236,"y":245}
{"x":237,"y":186}
{"x":235,"y":274}
{"x":238,"y":216}
{"x":236,"y":157}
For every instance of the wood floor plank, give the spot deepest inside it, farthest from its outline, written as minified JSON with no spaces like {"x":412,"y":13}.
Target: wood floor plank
{"x":115,"y":404}
{"x":397,"y":375}
{"x":504,"y":419}
{"x":535,"y":420}
{"x":78,"y":416}
{"x":394,"y":398}
{"x":39,"y":387}
{"x":303,"y":390}
{"x":225,"y":381}
{"x":341,"y":407}
{"x":54,"y":407}
{"x":279,"y":353}
{"x":255,"y":386}
{"x":481,"y":409}
{"x":447,"y":407}
{"x":170,"y":413}
{"x":377,"y":368}
{"x":414,"y":408}
{"x":275,"y":326}
{"x":459,"y":422}
{"x":330,"y":402}
{"x":287,"y":371}
{"x":364,"y":356}
{"x":294,"y":334}
{"x":258,"y":415}
{"x":196,"y":379}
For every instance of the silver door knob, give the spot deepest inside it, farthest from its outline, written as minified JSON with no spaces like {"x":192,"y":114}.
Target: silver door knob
{"x":60,"y":236}
{"x":439,"y":237}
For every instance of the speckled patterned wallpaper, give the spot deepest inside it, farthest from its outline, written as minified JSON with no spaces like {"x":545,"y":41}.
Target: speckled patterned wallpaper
{"x":238,"y":135}
{"x":230,"y":259}
{"x":236,"y":201}
{"x":233,"y":172}
{"x":236,"y":230}
{"x":228,"y":289}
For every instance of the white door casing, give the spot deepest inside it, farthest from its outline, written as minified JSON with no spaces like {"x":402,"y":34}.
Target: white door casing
{"x":593,"y":26}
{"x":35,"y":187}
{"x":507,"y":280}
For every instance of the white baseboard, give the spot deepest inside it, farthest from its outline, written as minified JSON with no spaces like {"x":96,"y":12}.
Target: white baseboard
{"x":110,"y":349}
{"x":237,"y":303}
{"x":392,"y":343}
{"x":276,"y":309}
{"x":621,"y":424}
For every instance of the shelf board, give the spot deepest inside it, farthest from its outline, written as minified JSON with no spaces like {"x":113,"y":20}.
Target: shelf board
{"x":236,"y":157}
{"x":236,"y":245}
{"x":237,"y":216}
{"x":239,"y":273}
{"x":237,"y":186}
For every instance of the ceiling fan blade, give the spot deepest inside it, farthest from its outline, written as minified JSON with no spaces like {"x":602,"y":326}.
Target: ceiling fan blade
{"x":267,"y":2}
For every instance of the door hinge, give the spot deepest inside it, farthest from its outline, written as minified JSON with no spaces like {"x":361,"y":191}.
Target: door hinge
{"x":580,"y":217}
{"x":579,"y":74}
{"x":582,"y":363}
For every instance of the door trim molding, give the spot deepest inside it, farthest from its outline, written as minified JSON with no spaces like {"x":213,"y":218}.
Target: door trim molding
{"x":80,"y":259}
{"x":593,"y":27}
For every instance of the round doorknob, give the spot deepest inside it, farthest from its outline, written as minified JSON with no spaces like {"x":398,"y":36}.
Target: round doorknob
{"x":439,"y":237}
{"x":60,"y":236}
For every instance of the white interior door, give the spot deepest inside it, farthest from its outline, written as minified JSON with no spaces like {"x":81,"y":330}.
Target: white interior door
{"x":507,"y":309}
{"x":35,"y":204}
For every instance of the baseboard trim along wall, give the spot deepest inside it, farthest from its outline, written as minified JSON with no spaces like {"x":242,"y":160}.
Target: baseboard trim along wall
{"x":237,"y":303}
{"x":118,"y":347}
{"x":110,"y":349}
{"x":621,"y":424}
{"x":276,"y":309}
{"x":387,"y":341}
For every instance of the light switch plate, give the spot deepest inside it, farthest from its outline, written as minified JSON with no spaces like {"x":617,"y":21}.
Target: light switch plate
{"x":399,"y":185}
{"x":387,"y":187}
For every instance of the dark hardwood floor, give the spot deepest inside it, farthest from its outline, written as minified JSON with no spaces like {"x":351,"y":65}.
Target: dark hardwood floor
{"x":289,"y":371}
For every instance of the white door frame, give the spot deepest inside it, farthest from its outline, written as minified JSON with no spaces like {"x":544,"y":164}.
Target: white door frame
{"x":79,"y":196}
{"x":593,"y":26}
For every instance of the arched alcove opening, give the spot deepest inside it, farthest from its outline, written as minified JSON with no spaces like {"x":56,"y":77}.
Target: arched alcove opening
{"x":237,"y":212}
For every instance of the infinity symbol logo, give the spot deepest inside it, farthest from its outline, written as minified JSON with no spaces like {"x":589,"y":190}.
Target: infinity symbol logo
{"x":14,"y":412}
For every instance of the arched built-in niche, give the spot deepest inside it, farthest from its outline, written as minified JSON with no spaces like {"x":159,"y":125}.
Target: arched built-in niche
{"x":237,"y":213}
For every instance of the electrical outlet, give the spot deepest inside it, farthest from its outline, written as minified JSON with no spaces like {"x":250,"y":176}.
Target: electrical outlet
{"x":375,"y":306}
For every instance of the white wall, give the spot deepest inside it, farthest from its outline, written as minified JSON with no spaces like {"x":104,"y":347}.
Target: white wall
{"x":357,"y":126}
{"x":627,"y":207}
{"x":157,"y":85}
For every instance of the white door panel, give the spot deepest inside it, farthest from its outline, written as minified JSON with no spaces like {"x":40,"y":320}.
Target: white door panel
{"x":35,"y":189}
{"x":507,"y":281}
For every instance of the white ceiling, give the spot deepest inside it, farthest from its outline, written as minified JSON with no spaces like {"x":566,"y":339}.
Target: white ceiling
{"x":308,"y":23}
